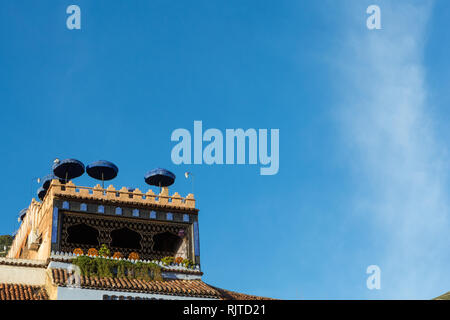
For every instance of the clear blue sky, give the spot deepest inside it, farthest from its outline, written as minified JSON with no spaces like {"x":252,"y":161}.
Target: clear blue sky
{"x":362,"y":115}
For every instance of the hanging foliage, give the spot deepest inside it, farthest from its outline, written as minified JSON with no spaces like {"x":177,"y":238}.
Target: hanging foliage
{"x":102,"y":268}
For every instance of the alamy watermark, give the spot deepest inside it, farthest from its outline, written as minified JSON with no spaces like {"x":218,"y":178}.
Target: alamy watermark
{"x":374,"y":280}
{"x":235,"y":140}
{"x":74,"y":20}
{"x":374,"y":20}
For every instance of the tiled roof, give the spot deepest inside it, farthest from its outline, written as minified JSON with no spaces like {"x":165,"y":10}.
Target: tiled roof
{"x":188,"y":288}
{"x":23,"y":263}
{"x":22,"y":292}
{"x":231,"y":295}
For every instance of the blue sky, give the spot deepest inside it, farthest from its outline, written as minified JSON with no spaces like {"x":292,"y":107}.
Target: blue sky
{"x":362,"y":116}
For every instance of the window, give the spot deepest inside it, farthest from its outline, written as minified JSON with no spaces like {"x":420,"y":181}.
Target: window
{"x":169,"y":216}
{"x":152,"y":215}
{"x":101,"y":209}
{"x":135,"y":212}
{"x":166,"y":242}
{"x":126,"y":238}
{"x":83,"y":207}
{"x":185,"y":218}
{"x":119,"y":211}
{"x":65,"y":205}
{"x":82,"y":234}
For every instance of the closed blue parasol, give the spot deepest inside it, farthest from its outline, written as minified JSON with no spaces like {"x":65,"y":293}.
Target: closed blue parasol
{"x":102,"y":170}
{"x":159,"y":177}
{"x":47,"y":180}
{"x":68,"y":169}
{"x":41,"y":193}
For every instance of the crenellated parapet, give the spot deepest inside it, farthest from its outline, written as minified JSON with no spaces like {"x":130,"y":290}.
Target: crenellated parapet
{"x":123,"y":195}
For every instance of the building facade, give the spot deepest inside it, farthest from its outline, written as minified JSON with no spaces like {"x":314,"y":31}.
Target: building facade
{"x":157,"y":233}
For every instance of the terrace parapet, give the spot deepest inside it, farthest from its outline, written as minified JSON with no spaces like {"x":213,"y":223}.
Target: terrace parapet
{"x":123,"y":195}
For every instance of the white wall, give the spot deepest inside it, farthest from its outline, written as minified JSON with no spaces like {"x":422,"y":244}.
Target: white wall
{"x":22,"y":275}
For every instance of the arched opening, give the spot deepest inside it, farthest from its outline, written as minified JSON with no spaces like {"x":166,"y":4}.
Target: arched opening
{"x":167,"y":242}
{"x":126,"y":238}
{"x":82,"y":234}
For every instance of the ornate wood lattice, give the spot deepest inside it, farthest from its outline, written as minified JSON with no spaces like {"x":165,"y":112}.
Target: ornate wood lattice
{"x":106,"y":224}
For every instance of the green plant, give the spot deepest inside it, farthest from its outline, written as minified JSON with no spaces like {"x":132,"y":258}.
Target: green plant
{"x":188,"y":263}
{"x":122,"y":268}
{"x":6,"y":240}
{"x":146,"y":271}
{"x":185,"y":262}
{"x":86,"y":265}
{"x":104,"y":251}
{"x":102,"y":267}
{"x":167,"y":260}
